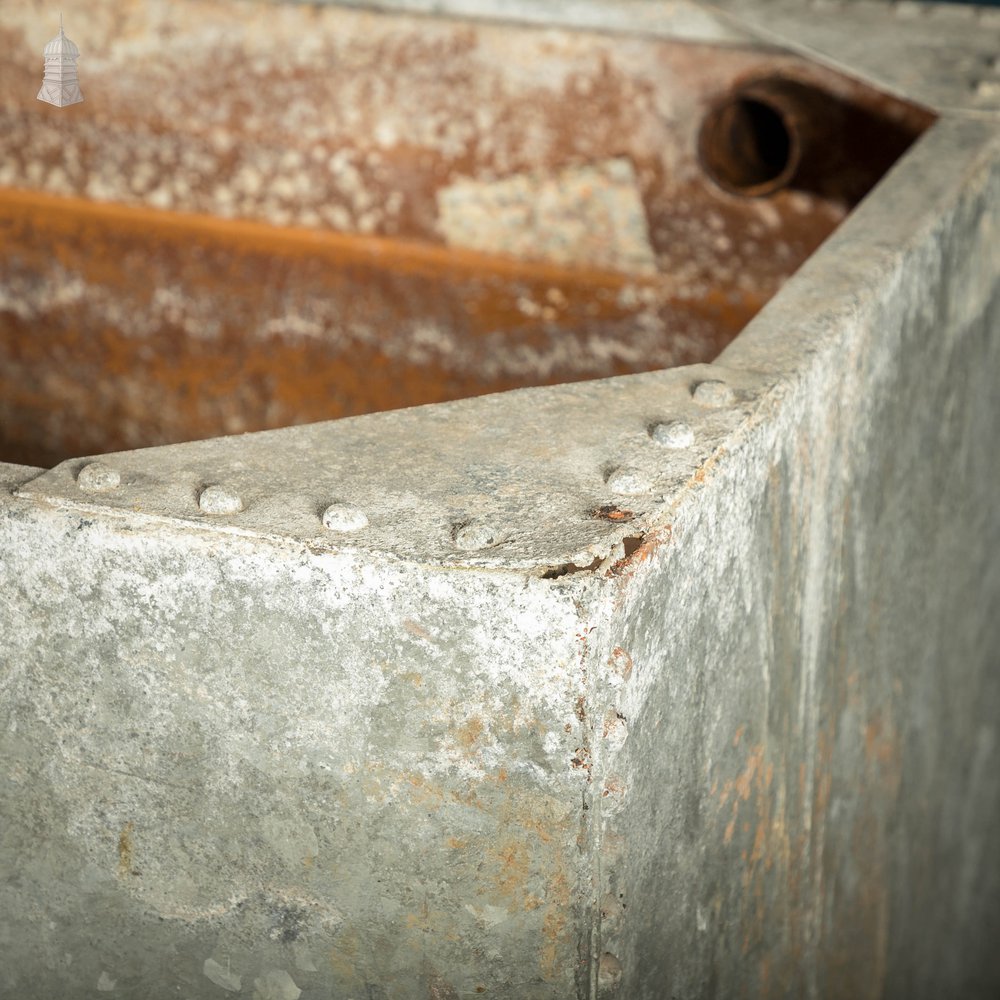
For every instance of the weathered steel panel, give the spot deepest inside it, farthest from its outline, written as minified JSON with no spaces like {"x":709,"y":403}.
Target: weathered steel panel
{"x":675,"y":684}
{"x":808,"y":802}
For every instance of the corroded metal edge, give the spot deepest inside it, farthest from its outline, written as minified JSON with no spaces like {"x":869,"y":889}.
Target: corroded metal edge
{"x":540,"y":479}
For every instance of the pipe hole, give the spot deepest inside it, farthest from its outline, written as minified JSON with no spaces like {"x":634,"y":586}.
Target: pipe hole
{"x":747,"y":147}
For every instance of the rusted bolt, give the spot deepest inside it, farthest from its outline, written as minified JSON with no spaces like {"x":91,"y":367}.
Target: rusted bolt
{"x":713,"y":393}
{"x":343,"y":517}
{"x":219,"y":500}
{"x":96,"y":477}
{"x":673,"y":434}
{"x":476,"y":535}
{"x":630,"y":482}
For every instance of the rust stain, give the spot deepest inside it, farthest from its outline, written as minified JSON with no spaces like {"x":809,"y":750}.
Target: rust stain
{"x":125,"y":850}
{"x":639,"y":549}
{"x":553,"y":932}
{"x":612,"y":721}
{"x":515,"y":867}
{"x":323,"y":326}
{"x":344,"y":955}
{"x":416,"y":629}
{"x":621,"y":662}
{"x":581,"y":760}
{"x":468,"y":733}
{"x":609,"y":512}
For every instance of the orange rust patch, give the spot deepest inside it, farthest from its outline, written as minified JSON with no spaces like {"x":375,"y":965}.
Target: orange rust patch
{"x":640,"y":548}
{"x":148,"y":377}
{"x":125,"y":849}
{"x":515,"y":865}
{"x":553,"y":929}
{"x":416,"y":629}
{"x":609,"y":512}
{"x":621,"y":662}
{"x":468,"y":734}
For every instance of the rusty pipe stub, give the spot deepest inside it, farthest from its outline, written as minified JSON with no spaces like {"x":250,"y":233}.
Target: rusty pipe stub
{"x":755,"y":140}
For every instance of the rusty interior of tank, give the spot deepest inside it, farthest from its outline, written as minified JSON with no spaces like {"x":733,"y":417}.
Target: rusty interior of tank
{"x":407,"y":211}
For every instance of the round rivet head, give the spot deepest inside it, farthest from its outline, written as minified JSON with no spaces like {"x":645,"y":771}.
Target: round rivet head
{"x":629,"y":482}
{"x":713,"y":393}
{"x":674,"y":434}
{"x":219,"y":500}
{"x":98,"y":478}
{"x":476,"y":535}
{"x":343,"y":517}
{"x":609,"y":971}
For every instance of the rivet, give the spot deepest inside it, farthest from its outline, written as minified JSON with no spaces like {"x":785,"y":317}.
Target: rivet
{"x":674,"y":434}
{"x":609,"y":970}
{"x":987,"y":89}
{"x":98,"y":478}
{"x":613,"y":795}
{"x":343,"y":517}
{"x":612,"y":908}
{"x":630,"y":482}
{"x":713,"y":393}
{"x":476,"y":535}
{"x":219,"y":500}
{"x":615,"y":729}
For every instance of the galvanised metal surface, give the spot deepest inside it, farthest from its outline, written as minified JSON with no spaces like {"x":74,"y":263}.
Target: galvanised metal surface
{"x":675,"y":684}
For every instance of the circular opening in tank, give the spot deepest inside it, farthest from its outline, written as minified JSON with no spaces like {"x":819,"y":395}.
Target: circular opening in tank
{"x":747,"y":146}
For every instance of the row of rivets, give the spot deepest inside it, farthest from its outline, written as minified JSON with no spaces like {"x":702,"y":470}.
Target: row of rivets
{"x":98,"y":477}
{"x":674,"y":434}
